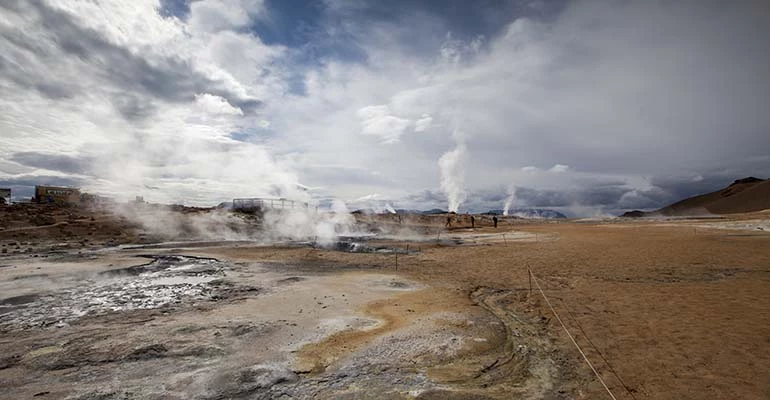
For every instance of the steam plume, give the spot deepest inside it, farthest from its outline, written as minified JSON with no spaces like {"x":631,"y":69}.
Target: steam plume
{"x":390,"y":208}
{"x":306,"y":223}
{"x":511,"y":198}
{"x":453,"y":175}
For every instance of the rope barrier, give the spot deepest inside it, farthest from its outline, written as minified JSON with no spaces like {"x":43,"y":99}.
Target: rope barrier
{"x":570,"y":336}
{"x":628,"y":390}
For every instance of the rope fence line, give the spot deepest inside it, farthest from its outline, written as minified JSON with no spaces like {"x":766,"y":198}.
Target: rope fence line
{"x":628,"y":390}
{"x":534,"y":279}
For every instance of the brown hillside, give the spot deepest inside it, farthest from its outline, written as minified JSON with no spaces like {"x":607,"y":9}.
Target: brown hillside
{"x":744,"y":195}
{"x":753,"y":198}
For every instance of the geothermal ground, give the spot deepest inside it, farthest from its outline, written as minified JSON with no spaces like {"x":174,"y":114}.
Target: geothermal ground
{"x":93,"y":308}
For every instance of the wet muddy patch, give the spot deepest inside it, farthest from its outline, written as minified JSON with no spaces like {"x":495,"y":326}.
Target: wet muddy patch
{"x":164,"y":282}
{"x":353,"y":246}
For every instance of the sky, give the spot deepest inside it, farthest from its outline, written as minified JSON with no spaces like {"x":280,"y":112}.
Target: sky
{"x":587,"y":107}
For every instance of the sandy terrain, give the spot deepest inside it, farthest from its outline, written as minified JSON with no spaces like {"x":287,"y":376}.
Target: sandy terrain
{"x":673,"y":309}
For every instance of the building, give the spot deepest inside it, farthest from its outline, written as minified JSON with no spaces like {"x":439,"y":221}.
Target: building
{"x":57,"y":195}
{"x":88,"y":199}
{"x":5,"y":196}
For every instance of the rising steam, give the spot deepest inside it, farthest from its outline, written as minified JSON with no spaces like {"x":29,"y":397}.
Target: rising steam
{"x":511,"y":198}
{"x":453,"y":176}
{"x":275,"y":225}
{"x":308,"y":224}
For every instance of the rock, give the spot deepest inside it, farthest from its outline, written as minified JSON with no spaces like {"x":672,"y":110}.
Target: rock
{"x":266,"y":375}
{"x":202,"y":351}
{"x":147,"y":352}
{"x":303,"y":367}
{"x":247,"y":382}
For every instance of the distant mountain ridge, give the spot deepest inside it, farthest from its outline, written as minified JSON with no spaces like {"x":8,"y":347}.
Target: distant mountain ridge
{"x":743,"y":195}
{"x":545,"y":213}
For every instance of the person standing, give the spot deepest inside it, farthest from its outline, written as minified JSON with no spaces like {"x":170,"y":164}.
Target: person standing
{"x":494,"y":219}
{"x":473,"y":222}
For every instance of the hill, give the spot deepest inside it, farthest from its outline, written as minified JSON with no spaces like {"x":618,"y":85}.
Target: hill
{"x":744,"y":195}
{"x":527,"y":213}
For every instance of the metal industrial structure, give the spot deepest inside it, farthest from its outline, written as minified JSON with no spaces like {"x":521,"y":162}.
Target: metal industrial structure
{"x":259,"y":203}
{"x":57,"y":195}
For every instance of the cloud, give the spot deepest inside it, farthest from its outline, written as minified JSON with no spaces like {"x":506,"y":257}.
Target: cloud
{"x":371,"y":196}
{"x":378,"y":121}
{"x":559,"y":168}
{"x":423,"y":124}
{"x":211,"y":100}
{"x":215,"y":105}
{"x":54,"y":162}
{"x":58,"y":42}
{"x":214,"y":16}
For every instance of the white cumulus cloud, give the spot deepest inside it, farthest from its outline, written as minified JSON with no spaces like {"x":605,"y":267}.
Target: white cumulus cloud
{"x":378,"y":121}
{"x":423,"y":124}
{"x":559,"y":168}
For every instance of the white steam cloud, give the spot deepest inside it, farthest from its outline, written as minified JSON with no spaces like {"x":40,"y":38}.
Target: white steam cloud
{"x":390,"y":208}
{"x":274,"y":225}
{"x":309,"y":224}
{"x":453,"y":175}
{"x":511,"y":198}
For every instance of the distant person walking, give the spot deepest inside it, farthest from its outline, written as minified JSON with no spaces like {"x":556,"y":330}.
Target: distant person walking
{"x":448,"y":222}
{"x":494,"y":219}
{"x":473,"y":221}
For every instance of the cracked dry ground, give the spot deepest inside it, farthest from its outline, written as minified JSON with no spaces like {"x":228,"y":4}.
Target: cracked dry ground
{"x":662,"y":310}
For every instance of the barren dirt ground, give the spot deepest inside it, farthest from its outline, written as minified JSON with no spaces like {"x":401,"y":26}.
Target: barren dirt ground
{"x":663,"y":309}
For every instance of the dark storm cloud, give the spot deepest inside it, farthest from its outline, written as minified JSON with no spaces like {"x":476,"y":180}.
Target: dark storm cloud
{"x":426,"y":196}
{"x":54,"y":162}
{"x":648,"y":199}
{"x":47,"y":86}
{"x":603,"y":195}
{"x":139,"y":79}
{"x":599,"y":195}
{"x":132,"y":107}
{"x":55,"y":90}
{"x":613,"y":196}
{"x":494,"y":196}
